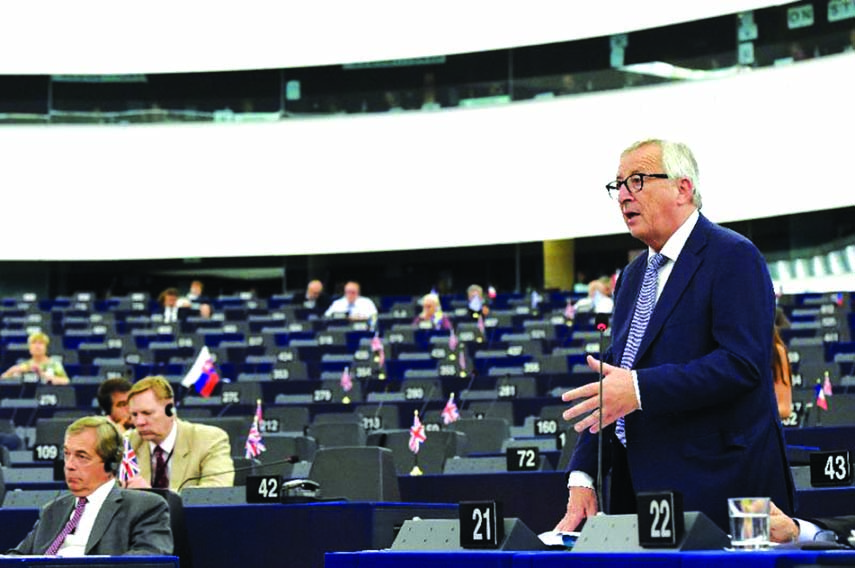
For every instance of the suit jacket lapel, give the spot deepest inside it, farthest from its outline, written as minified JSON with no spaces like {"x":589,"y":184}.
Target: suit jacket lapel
{"x":144,"y":458}
{"x":685,"y":267}
{"x":179,"y":459}
{"x":104,"y":518}
{"x":56,"y":522}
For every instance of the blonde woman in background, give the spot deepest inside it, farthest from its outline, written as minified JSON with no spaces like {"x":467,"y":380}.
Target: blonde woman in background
{"x":48,"y":369}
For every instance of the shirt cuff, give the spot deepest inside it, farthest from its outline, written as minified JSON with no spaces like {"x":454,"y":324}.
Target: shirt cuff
{"x":807,"y":530}
{"x":635,"y":384}
{"x":580,"y":479}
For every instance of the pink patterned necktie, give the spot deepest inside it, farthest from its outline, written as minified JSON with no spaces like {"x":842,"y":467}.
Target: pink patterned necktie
{"x":69,"y":528}
{"x":643,"y":308}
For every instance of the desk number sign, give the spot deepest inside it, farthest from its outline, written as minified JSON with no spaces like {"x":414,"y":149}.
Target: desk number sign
{"x":263,"y":489}
{"x":829,"y":469}
{"x":523,"y":458}
{"x":660,"y":519}
{"x":481,"y":524}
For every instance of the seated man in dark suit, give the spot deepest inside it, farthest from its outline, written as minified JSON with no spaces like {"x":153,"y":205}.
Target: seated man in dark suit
{"x":315,"y":300}
{"x":98,"y":517}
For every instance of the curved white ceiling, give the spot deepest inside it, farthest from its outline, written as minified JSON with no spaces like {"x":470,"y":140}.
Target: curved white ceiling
{"x":769,"y":142}
{"x":109,"y":37}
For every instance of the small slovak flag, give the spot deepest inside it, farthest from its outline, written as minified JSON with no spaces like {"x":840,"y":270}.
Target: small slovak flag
{"x":254,"y":443}
{"x":203,"y":375}
{"x":417,"y":433}
{"x":821,"y":400}
{"x":130,"y":467}
{"x":450,"y":413}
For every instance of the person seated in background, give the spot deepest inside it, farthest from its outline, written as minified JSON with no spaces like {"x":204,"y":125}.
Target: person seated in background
{"x":206,"y":311}
{"x":173,"y":453}
{"x":194,"y":297}
{"x":352,"y":305}
{"x":431,"y":316}
{"x":113,"y":399}
{"x":781,"y":372}
{"x":785,"y":529}
{"x":314,"y":299}
{"x":49,"y":370}
{"x":97,"y":517}
{"x":599,"y":298}
{"x":171,"y":311}
{"x":476,"y":304}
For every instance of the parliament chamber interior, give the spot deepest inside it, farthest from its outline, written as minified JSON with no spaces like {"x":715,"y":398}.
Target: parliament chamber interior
{"x":338,"y":398}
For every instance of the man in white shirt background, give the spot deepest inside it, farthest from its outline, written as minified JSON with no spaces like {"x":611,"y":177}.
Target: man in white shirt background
{"x":353,"y":306}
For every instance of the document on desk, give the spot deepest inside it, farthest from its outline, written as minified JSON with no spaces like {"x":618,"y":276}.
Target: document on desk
{"x":559,"y":538}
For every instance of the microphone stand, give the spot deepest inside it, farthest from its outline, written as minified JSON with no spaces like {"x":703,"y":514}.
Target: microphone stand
{"x":251,"y":468}
{"x":602,"y":323}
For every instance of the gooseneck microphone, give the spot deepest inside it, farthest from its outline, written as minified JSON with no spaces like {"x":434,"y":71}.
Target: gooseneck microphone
{"x":290,"y":459}
{"x":601,"y":321}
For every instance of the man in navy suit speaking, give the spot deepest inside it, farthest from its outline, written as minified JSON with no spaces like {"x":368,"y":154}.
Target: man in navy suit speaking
{"x":688,"y":401}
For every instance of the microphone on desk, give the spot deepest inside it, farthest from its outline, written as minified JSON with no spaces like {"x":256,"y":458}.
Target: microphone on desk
{"x":289,"y":459}
{"x":601,"y":322}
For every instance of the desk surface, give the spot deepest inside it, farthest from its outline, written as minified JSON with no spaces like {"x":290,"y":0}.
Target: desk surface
{"x":499,"y":559}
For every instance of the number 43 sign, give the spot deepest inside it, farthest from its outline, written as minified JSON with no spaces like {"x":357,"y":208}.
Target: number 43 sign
{"x":828,"y":469}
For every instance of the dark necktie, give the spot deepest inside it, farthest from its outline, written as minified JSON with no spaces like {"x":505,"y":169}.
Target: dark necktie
{"x":161,"y":478}
{"x":643,"y":308}
{"x":69,"y":528}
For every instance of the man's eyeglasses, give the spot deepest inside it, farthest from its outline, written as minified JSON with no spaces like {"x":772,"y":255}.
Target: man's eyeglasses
{"x":633,"y":183}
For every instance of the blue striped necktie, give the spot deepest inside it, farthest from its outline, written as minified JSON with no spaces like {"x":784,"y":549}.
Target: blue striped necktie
{"x":643,"y":308}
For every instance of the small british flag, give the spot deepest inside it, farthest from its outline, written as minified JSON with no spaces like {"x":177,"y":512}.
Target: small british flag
{"x":130,"y":467}
{"x":254,"y":443}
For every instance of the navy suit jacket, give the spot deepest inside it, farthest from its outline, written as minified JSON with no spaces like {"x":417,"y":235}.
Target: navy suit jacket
{"x":708,"y":425}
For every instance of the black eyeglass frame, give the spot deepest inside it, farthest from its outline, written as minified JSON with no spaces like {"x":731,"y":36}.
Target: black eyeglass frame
{"x":613,"y":188}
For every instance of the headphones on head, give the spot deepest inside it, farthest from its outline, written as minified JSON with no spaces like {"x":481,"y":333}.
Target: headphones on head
{"x":169,"y":409}
{"x":111,"y":463}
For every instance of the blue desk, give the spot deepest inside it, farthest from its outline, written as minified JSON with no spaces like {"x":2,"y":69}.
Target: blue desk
{"x":496,"y":559}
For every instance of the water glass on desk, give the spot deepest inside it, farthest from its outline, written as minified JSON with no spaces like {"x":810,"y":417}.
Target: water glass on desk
{"x":749,"y":522}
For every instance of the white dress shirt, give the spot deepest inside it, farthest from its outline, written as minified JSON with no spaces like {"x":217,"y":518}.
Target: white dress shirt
{"x":362,"y":308}
{"x":75,"y":543}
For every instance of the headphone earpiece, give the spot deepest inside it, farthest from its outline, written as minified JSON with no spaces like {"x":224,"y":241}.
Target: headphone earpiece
{"x":112,"y":464}
{"x":169,"y":410}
